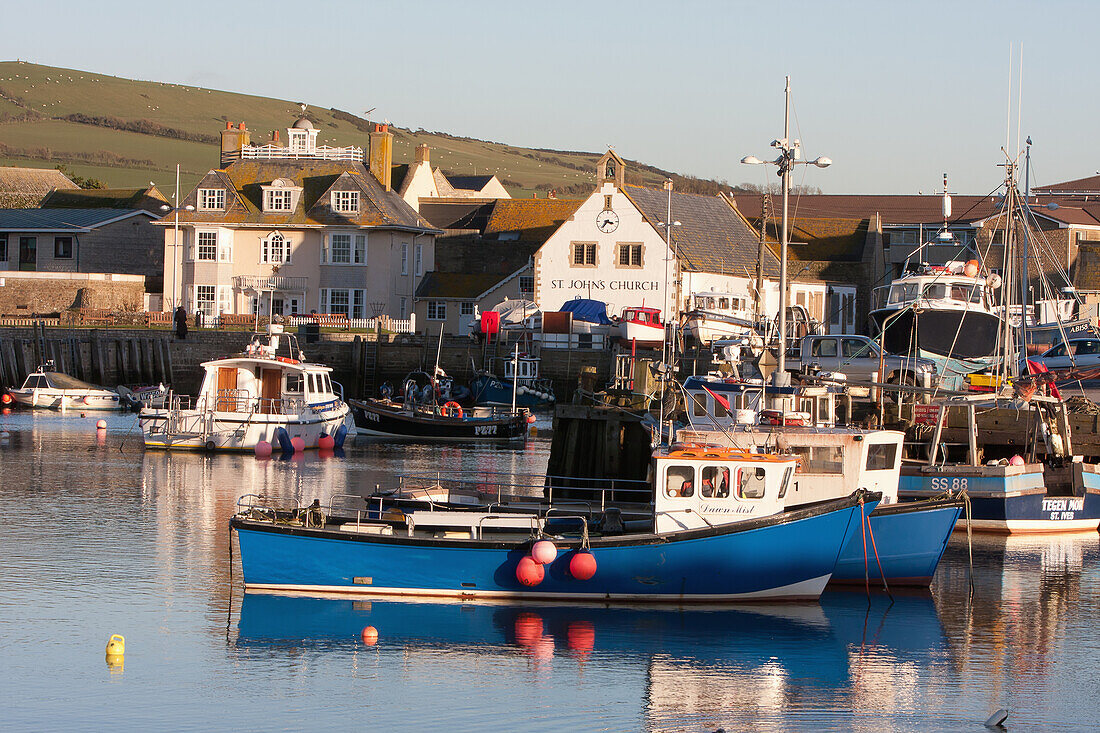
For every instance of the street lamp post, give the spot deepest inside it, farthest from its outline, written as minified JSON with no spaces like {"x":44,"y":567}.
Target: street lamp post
{"x":175,"y":208}
{"x":667,"y":351}
{"x":790,"y":154}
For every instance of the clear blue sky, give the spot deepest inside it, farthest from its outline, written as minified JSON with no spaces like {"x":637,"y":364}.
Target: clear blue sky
{"x":896,"y":93}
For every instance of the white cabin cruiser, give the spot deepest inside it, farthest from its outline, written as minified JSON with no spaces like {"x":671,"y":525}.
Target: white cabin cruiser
{"x":269,"y":393}
{"x":57,"y":391}
{"x":719,"y":315}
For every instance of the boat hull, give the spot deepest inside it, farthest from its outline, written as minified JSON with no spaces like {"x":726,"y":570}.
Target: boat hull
{"x":789,"y":556}
{"x":713,"y":328}
{"x":227,"y":431}
{"x":492,"y":392}
{"x":54,"y":399}
{"x":378,"y":419}
{"x":905,"y":540}
{"x":1011,"y":499}
{"x":961,"y":334}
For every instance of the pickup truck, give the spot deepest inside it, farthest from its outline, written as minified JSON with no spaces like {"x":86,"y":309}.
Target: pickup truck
{"x":857,"y":357}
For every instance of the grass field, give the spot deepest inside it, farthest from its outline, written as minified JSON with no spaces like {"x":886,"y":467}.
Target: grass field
{"x":34,"y":100}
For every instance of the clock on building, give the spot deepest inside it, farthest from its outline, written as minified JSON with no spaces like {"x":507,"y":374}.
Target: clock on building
{"x":607,"y":221}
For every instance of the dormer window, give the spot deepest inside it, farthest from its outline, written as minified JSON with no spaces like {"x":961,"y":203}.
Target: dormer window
{"x":345,"y":202}
{"x":277,"y":200}
{"x":211,"y":199}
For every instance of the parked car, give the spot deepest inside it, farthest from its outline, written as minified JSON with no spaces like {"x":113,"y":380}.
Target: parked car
{"x":1076,"y":353}
{"x":857,"y":357}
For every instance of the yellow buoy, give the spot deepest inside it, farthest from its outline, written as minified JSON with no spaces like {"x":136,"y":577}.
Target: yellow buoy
{"x":116,"y":646}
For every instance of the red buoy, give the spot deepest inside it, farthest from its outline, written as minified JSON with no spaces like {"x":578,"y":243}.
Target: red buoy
{"x":101,"y":425}
{"x":5,"y":398}
{"x":529,"y":572}
{"x":299,"y":444}
{"x":370,"y":636}
{"x":582,"y":566}
{"x":326,"y":442}
{"x":544,"y":552}
{"x":263,"y":449}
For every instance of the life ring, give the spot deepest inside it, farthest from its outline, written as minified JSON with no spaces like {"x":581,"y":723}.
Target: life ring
{"x":452,"y":409}
{"x":286,"y":360}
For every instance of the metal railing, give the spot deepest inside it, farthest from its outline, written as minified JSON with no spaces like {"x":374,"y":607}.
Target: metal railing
{"x":271,"y":282}
{"x":590,"y":493}
{"x":320,"y":152}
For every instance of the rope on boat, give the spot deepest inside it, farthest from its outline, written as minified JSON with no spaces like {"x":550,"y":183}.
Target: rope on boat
{"x":874,"y":547}
{"x":863,"y":531}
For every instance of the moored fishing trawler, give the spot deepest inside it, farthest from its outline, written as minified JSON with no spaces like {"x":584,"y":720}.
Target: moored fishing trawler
{"x":719,"y":315}
{"x":52,"y":389}
{"x":267,"y":394}
{"x":714,"y":529}
{"x":641,"y":326}
{"x":909,"y":539}
{"x":520,"y":385}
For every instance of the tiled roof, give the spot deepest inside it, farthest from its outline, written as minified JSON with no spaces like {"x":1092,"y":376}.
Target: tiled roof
{"x":894,"y":209}
{"x":1083,"y":215}
{"x":712,"y":236}
{"x":833,"y":240}
{"x":105,"y":198}
{"x":61,"y":219}
{"x":246,"y":178}
{"x":32,"y":180}
{"x":534,"y":219}
{"x":466,"y":286}
{"x":1092,"y":184}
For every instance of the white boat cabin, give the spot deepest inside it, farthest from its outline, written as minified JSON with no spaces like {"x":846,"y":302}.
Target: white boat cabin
{"x":956,"y":285}
{"x":700,"y":486}
{"x":270,"y":378}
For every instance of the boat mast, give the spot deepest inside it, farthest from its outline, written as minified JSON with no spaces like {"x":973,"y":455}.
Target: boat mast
{"x":781,"y":377}
{"x":1025,"y":275}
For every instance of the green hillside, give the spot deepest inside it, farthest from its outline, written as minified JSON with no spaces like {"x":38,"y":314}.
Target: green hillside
{"x":127,"y":133}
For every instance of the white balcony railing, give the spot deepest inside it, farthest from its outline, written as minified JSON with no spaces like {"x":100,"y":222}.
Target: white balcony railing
{"x":321,"y":152}
{"x":270,"y":282}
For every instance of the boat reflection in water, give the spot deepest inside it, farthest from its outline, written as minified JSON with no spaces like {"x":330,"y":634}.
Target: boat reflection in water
{"x":696,"y":666}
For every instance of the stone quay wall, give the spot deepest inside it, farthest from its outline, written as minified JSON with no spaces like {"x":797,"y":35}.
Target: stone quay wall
{"x":361,"y":362}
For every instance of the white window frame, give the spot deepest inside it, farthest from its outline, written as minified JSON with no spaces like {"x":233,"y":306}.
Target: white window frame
{"x":404,"y":258}
{"x":419,"y":260}
{"x":466,"y":308}
{"x":268,"y":255}
{"x":359,"y":250}
{"x":279,"y":200}
{"x":208,"y":306}
{"x":211,"y":199}
{"x":345,"y":202}
{"x":332,"y":257}
{"x":201,"y":234}
{"x":437,"y":310}
{"x":403,"y":308}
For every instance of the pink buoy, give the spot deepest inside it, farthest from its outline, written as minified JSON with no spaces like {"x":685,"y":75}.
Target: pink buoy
{"x":1016,"y":460}
{"x":582,"y":566}
{"x":326,"y":442}
{"x":370,"y":636}
{"x":529,"y":572}
{"x":263,"y":449}
{"x":101,"y":425}
{"x":544,"y":552}
{"x":299,"y":444}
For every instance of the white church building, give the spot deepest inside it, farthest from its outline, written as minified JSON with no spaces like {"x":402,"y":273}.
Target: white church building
{"x":614,"y":249}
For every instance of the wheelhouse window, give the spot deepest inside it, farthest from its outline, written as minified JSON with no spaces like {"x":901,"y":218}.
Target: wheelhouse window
{"x":630,"y":255}
{"x":715,"y":482}
{"x":62,"y":248}
{"x":750,"y":482}
{"x":211,"y":199}
{"x":345,"y":202}
{"x":437,"y":310}
{"x":275,"y":249}
{"x":294,"y":382}
{"x":881,"y":456}
{"x":819,"y":459}
{"x":584,"y":254}
{"x":679,"y":481}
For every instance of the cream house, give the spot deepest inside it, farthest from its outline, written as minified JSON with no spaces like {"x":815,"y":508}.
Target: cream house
{"x":615,"y":248}
{"x":296,"y":228}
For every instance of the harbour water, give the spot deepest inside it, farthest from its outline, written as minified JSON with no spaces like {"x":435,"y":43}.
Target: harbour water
{"x":102,"y":538}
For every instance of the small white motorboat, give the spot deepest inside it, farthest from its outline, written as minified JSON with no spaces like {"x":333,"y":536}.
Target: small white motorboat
{"x":58,"y":391}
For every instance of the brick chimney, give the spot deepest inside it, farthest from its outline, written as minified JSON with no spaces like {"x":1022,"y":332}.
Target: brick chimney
{"x":381,"y":154}
{"x":233,"y":139}
{"x":422,"y":153}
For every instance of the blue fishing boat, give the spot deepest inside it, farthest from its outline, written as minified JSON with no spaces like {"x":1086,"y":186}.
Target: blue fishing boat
{"x":903,"y":544}
{"x":715,"y":529}
{"x":1041,"y":489}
